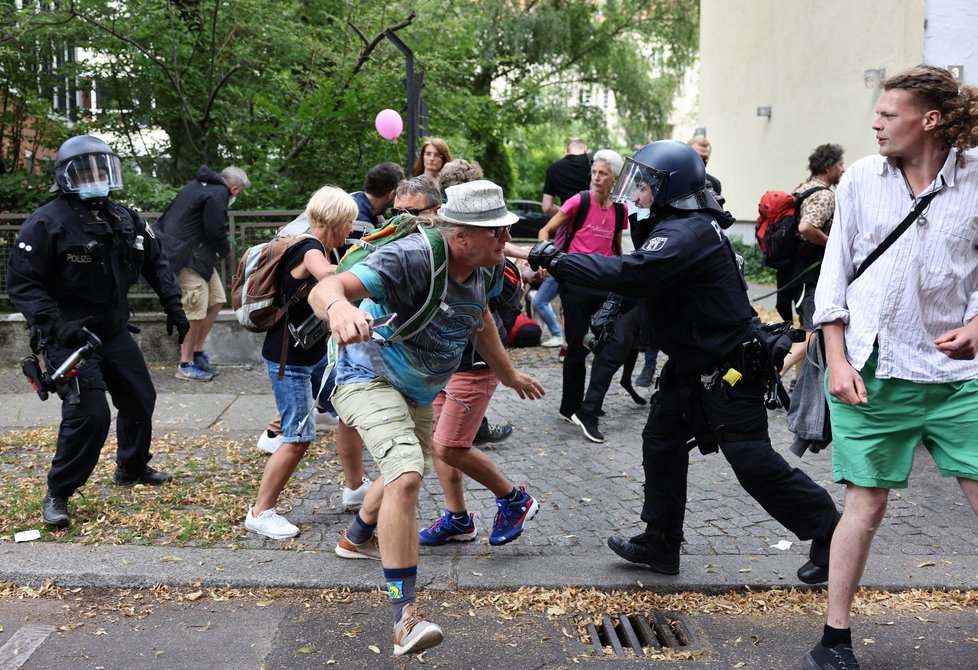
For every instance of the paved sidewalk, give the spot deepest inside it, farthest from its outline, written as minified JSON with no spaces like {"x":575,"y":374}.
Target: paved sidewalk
{"x":586,"y":492}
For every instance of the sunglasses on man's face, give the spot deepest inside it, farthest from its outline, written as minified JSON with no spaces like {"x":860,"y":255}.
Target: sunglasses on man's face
{"x":408,"y":210}
{"x":498,"y":230}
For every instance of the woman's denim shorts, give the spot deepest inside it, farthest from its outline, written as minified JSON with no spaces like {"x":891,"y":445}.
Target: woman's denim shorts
{"x":293,"y":397}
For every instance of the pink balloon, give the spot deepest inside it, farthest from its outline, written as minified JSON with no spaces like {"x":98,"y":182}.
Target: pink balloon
{"x":389,"y":124}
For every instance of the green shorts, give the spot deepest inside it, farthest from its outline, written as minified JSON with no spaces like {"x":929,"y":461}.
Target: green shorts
{"x":396,"y":433}
{"x":873,"y":444}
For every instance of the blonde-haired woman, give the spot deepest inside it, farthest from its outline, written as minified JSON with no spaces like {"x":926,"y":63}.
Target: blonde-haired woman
{"x":434,"y":154}
{"x":330,"y":213}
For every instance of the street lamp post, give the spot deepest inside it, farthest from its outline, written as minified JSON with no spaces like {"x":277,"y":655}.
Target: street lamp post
{"x":415,"y":100}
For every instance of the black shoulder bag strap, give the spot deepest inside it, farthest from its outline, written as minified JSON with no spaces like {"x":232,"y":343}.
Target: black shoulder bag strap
{"x":897,"y":232}
{"x":283,"y":312}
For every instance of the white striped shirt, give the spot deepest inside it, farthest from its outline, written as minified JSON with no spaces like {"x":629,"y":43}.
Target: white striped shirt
{"x":921,"y":287}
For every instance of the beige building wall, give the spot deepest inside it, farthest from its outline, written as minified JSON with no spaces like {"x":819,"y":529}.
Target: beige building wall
{"x":806,"y":61}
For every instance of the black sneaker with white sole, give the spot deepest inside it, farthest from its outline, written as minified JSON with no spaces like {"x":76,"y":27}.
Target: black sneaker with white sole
{"x":588,"y":426}
{"x":839,"y":657}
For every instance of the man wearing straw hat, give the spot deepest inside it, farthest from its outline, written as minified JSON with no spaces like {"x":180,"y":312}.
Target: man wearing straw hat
{"x":386,"y":392}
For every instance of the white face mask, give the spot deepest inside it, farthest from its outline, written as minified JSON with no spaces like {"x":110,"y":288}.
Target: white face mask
{"x":231,"y":200}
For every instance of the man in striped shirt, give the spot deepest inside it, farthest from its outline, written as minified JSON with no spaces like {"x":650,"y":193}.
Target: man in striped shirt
{"x":901,"y":339}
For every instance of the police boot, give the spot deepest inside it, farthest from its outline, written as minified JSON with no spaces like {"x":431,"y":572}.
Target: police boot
{"x":147,"y":475}
{"x":54,"y":510}
{"x":816,"y":570}
{"x":650,"y":548}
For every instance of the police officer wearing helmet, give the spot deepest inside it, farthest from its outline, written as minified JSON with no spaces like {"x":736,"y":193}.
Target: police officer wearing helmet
{"x":69,"y":272}
{"x":687,"y":274}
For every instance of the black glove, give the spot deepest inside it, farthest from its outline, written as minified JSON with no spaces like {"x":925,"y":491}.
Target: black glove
{"x":177,"y":318}
{"x":603,"y":323}
{"x":69,"y":333}
{"x":544,"y":254}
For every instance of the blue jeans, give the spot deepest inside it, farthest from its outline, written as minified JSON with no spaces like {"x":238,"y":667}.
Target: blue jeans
{"x":650,"y":358}
{"x":293,"y":397}
{"x":541,"y":305}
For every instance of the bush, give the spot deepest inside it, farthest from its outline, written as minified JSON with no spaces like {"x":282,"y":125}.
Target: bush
{"x":22,"y":191}
{"x":754,"y":269}
{"x":143,"y":192}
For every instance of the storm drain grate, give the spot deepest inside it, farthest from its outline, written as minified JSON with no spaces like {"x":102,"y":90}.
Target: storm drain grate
{"x":630,"y":635}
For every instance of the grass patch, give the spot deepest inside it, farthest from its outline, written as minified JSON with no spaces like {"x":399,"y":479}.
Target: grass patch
{"x":215,"y":479}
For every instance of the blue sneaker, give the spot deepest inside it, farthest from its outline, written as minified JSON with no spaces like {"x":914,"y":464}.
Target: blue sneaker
{"x":511,"y":517}
{"x":191,"y":373}
{"x":447,"y":529}
{"x":203,"y":363}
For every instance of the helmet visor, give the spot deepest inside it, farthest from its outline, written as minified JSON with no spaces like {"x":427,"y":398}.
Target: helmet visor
{"x":92,"y":169}
{"x":702,"y":199}
{"x":638,"y":184}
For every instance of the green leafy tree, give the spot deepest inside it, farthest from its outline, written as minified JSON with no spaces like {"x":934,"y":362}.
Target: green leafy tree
{"x":28,"y":127}
{"x":289,"y":90}
{"x":512,"y":64}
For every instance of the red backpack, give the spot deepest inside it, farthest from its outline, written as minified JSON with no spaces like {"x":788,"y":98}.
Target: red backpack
{"x":525,"y":332}
{"x":777,"y":226}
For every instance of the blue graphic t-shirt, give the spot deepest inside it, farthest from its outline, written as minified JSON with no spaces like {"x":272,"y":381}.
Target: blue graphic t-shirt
{"x":398,"y":276}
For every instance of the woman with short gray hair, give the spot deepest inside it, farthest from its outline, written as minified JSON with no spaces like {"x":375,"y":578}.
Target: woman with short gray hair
{"x":588,"y":223}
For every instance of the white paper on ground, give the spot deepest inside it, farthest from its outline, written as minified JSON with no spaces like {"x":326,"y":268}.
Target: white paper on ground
{"x":27,"y":535}
{"x":782,"y":545}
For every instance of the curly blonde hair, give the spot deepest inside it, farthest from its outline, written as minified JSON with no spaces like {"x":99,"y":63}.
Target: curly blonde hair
{"x":935,"y":88}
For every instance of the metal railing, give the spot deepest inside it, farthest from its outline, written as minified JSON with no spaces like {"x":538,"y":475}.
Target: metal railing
{"x":245,"y":229}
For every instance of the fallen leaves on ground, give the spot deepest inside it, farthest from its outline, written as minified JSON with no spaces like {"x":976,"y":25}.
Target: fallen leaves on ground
{"x":583,"y":605}
{"x":748,"y":602}
{"x":215,"y":478}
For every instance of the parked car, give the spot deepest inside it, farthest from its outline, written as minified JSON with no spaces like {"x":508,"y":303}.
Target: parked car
{"x":532,"y":218}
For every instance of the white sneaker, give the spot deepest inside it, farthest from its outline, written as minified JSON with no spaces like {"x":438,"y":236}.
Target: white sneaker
{"x":555,"y":341}
{"x":352,"y":499}
{"x":414,"y":633}
{"x":270,"y":524}
{"x":269,"y":444}
{"x":325,"y":421}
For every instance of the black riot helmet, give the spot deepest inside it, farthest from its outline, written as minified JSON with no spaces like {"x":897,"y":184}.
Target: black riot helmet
{"x":87,"y":167}
{"x":674,"y":173}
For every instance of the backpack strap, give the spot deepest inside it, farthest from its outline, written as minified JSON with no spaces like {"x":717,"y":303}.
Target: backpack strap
{"x":800,"y":197}
{"x":282,"y":312}
{"x":578,"y":221}
{"x":437,"y":288}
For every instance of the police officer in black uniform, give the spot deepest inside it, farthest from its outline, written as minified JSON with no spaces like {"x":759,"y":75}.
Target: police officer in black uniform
{"x":687,"y":274}
{"x":69,"y":272}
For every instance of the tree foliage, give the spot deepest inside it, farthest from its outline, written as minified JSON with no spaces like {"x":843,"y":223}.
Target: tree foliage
{"x":289,"y":90}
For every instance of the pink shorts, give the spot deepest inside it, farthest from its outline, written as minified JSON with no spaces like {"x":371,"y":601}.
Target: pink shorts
{"x":460,"y":407}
